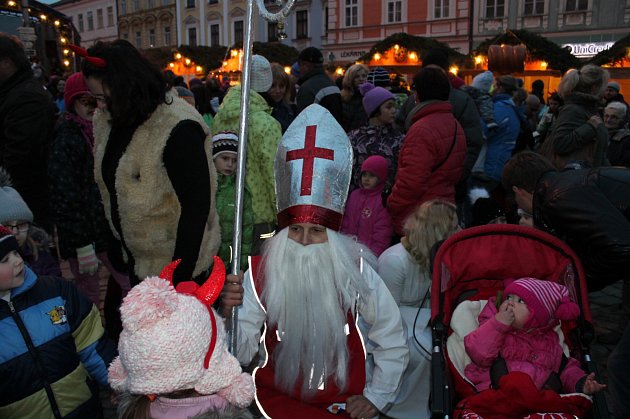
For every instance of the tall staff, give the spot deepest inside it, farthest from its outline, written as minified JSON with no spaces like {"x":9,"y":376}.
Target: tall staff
{"x":279,"y":18}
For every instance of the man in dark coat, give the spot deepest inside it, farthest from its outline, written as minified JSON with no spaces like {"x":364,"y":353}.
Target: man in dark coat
{"x":26,"y":121}
{"x":589,"y":209}
{"x":315,"y":85}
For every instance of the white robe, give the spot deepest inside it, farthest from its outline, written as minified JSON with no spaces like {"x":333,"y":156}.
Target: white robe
{"x":409,"y":285}
{"x":380,"y":325}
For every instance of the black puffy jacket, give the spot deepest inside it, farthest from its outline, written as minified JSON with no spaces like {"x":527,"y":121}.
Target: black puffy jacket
{"x":590,"y":210}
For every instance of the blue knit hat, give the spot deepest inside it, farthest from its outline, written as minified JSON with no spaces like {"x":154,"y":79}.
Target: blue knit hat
{"x":483,"y":81}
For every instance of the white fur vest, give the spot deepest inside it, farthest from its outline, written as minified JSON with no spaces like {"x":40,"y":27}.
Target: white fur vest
{"x":148,"y":206}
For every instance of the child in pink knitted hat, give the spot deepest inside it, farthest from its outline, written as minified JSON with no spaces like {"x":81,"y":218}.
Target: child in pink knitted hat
{"x":365,"y":216}
{"x":520,"y":335}
{"x":173,"y":360}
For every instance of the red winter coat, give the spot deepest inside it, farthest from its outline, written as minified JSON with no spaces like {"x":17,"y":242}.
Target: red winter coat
{"x":426,"y":144}
{"x":367,"y":219}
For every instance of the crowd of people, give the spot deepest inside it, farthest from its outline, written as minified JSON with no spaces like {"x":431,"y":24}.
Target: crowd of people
{"x":349,"y":186}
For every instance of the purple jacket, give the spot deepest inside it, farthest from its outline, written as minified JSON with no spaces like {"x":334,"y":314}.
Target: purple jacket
{"x":367,"y":219}
{"x":536,"y":352}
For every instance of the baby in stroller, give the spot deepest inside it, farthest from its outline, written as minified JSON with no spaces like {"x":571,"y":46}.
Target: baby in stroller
{"x":518,"y":334}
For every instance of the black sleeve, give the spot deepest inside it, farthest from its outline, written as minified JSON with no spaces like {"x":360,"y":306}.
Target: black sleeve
{"x":187,"y":167}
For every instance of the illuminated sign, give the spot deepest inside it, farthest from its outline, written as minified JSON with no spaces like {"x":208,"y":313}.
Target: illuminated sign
{"x":588,"y":49}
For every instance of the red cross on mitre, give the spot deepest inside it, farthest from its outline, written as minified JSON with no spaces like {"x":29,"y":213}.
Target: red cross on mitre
{"x":309,"y":153}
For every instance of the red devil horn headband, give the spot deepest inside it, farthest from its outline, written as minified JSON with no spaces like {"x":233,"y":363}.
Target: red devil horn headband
{"x":207,"y":294}
{"x":209,"y":291}
{"x":96,"y":61}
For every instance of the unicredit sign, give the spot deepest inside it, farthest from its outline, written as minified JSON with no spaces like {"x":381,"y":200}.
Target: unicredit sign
{"x":588,"y":49}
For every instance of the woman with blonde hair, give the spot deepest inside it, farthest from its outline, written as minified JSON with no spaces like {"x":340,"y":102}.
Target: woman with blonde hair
{"x":405,"y":269}
{"x":579,"y":134}
{"x":351,"y":99}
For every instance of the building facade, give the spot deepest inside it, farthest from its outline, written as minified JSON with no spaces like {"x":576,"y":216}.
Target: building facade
{"x":211,"y":22}
{"x":222,"y":22}
{"x":148,"y":23}
{"x":577,"y":22}
{"x":95,"y":20}
{"x":354,"y":26}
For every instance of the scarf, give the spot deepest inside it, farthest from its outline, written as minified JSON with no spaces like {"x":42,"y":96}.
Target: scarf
{"x":85,"y":126}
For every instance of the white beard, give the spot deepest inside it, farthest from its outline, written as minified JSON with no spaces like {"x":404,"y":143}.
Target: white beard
{"x":308,"y":292}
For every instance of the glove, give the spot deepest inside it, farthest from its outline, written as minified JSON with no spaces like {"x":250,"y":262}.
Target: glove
{"x":88,"y":263}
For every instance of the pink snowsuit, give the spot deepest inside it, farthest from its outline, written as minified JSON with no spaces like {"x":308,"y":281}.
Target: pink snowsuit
{"x":365,"y":216}
{"x":536,"y":352}
{"x":367,"y":219}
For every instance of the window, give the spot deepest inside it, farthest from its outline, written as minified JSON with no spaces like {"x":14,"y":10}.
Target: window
{"x":352,"y":12}
{"x":165,"y":2}
{"x":577,"y":5}
{"x":151,"y":37}
{"x":190,"y":4}
{"x":534,"y":7}
{"x":441,"y":9}
{"x":214,"y":35}
{"x":150,"y":4}
{"x":238,"y":32}
{"x":90,"y":21}
{"x":272,"y":31}
{"x":80,"y":20}
{"x":167,"y":35}
{"x":394,"y":11}
{"x":495,"y":8}
{"x":192,"y":37}
{"x":138,"y":39}
{"x":110,"y":16}
{"x":99,"y":18}
{"x":213,"y":1}
{"x":136,"y":5}
{"x":123,"y":7}
{"x":126,"y":36}
{"x":301,"y":24}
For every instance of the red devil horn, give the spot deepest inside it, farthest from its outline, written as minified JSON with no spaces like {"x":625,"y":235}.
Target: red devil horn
{"x":167,"y":272}
{"x":82,"y":52}
{"x":78,"y":50}
{"x":210,"y":290}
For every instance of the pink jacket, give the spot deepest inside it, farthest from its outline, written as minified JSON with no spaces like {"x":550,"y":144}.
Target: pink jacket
{"x":426,"y":144}
{"x":535,"y":352}
{"x":367,"y":219}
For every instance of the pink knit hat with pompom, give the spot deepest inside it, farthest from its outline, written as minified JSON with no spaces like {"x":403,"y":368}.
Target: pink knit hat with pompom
{"x":166,"y":336}
{"x":545,"y":300}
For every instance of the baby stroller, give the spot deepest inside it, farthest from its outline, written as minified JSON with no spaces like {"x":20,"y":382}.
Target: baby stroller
{"x":470,"y":267}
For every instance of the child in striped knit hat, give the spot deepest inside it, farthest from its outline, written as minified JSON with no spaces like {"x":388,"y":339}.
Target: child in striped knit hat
{"x":518,"y":334}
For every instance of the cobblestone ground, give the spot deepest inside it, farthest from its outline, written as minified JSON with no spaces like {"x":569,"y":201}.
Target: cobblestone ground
{"x":609,"y":317}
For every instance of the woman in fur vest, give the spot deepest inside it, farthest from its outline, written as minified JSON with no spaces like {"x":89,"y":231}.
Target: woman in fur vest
{"x":151,"y":164}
